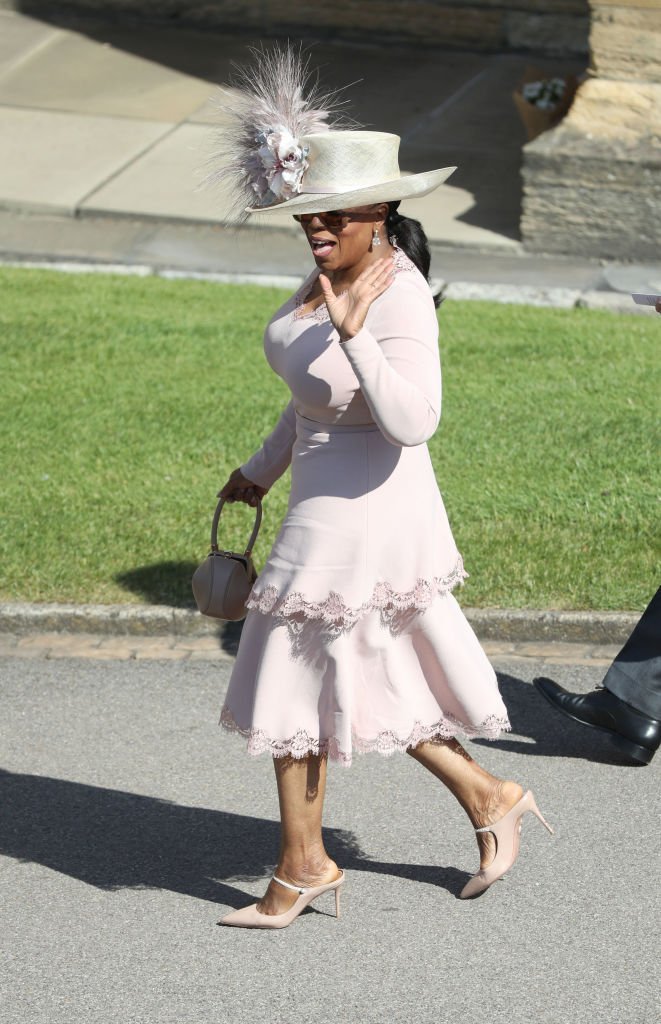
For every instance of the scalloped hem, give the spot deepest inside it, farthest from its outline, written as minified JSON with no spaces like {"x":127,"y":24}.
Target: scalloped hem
{"x":334,"y":612}
{"x":386,"y":743}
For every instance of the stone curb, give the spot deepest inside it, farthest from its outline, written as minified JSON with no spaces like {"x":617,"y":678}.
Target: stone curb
{"x":465,"y":291}
{"x":513,"y":625}
{"x":149,"y":270}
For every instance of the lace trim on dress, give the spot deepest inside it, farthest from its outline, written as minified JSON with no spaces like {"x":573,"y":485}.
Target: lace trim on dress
{"x":386,"y":743}
{"x":334,"y":612}
{"x":401,"y":262}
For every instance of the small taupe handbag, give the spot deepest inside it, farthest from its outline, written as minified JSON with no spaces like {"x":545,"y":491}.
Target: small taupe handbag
{"x":222,"y":583}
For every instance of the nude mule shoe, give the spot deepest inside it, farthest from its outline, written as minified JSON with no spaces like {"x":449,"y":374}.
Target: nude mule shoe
{"x":507,"y":831}
{"x":250,"y":917}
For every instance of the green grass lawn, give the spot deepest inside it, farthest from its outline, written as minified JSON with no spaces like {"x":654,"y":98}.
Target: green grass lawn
{"x":127,"y":401}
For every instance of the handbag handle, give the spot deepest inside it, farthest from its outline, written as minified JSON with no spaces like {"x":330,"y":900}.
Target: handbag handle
{"x":255,"y":529}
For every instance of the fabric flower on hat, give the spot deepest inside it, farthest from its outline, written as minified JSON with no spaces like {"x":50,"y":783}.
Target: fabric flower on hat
{"x":284,"y":163}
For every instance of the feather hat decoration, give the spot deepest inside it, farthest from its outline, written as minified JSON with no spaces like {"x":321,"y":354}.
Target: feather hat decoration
{"x":273,"y":102}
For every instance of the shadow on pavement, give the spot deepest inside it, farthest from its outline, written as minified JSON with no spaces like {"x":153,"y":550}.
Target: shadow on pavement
{"x":114,"y":840}
{"x":230,"y":636}
{"x":552,"y":733}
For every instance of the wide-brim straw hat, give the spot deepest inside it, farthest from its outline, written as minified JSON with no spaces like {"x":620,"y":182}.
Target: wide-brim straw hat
{"x":353,"y":168}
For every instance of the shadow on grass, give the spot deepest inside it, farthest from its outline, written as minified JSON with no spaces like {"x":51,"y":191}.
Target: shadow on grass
{"x":115,"y":840}
{"x":170,"y":583}
{"x":161,"y":583}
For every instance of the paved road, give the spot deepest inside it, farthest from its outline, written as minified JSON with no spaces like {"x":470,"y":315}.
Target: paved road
{"x":131,"y":822}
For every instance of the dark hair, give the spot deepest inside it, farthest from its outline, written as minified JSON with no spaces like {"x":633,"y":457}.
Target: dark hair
{"x":410,"y":236}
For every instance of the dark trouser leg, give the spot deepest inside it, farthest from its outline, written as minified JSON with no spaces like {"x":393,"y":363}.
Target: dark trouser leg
{"x":635,"y":675}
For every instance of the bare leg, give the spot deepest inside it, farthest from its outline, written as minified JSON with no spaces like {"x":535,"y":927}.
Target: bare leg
{"x":303,"y":860}
{"x":484,"y":797}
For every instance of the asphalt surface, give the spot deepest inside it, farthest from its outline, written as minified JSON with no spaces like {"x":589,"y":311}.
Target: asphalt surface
{"x":131,"y":822}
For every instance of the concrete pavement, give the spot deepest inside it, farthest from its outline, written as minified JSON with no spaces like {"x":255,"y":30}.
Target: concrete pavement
{"x":131,"y":822}
{"x":111,"y":120}
{"x":106,"y":130}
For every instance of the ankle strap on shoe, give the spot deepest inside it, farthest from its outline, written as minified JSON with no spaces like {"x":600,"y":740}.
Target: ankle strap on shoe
{"x":288,"y":885}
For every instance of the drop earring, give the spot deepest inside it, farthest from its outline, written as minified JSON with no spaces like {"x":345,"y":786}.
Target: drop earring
{"x":375,"y":238}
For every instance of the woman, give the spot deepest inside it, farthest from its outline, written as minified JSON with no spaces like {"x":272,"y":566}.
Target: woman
{"x":353,"y":640}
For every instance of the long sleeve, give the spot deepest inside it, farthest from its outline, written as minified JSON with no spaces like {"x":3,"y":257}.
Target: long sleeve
{"x":398,"y":366}
{"x":273,"y":458}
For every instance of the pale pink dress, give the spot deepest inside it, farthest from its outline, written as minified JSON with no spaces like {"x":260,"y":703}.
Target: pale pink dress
{"x":353,"y":641}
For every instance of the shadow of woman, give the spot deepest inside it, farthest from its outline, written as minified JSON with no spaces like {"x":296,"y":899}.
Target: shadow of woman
{"x":113,"y":840}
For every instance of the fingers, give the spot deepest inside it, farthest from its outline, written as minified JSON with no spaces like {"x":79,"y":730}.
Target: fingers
{"x":384,"y":279}
{"x":249,"y":497}
{"x":376,"y":269}
{"x":377,"y":275}
{"x":326,"y":287}
{"x":246,"y":494}
{"x":375,"y":280}
{"x":377,"y":272}
{"x":239,"y":488}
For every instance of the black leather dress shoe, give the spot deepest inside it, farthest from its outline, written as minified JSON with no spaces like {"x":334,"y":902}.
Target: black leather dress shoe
{"x":633,"y":733}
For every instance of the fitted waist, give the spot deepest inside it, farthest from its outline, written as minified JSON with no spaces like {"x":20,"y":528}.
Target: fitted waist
{"x":305,"y":425}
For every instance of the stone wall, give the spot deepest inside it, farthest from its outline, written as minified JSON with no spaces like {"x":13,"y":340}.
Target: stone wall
{"x":592,"y":186}
{"x":625,"y":39}
{"x":558,"y":27}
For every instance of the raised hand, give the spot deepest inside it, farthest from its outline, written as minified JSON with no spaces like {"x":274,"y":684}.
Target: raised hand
{"x":348,"y":310}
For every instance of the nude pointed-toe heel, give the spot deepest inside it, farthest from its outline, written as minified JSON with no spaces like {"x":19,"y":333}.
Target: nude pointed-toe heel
{"x":506,"y":831}
{"x":250,"y":917}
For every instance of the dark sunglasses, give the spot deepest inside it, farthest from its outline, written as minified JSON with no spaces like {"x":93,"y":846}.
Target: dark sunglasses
{"x":333,"y":219}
